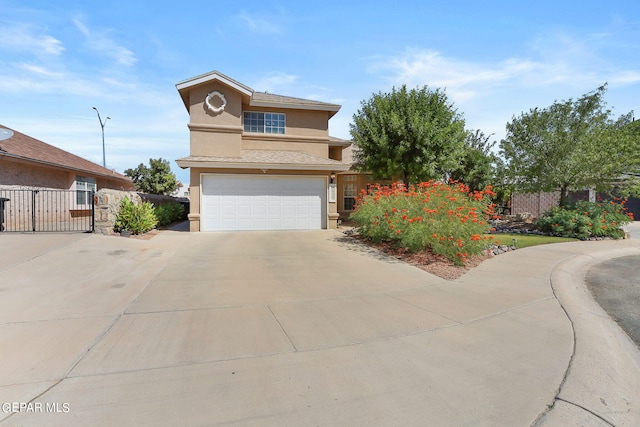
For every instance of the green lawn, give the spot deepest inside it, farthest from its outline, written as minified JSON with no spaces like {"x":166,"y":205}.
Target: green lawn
{"x":526,"y":240}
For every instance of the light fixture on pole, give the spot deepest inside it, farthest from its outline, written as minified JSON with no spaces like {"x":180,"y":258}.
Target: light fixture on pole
{"x":104,"y":160}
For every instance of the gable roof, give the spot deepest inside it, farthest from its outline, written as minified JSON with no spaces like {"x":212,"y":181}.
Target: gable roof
{"x":26,"y":148}
{"x":347,"y":155}
{"x":256,"y":99}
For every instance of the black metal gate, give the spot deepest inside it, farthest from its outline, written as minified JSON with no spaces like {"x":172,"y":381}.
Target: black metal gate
{"x":46,"y":211}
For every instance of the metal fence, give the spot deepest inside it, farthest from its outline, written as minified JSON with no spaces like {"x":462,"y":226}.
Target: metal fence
{"x":46,"y":210}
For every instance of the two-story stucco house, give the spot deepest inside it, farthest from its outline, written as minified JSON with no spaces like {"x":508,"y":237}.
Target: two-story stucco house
{"x":259,"y":161}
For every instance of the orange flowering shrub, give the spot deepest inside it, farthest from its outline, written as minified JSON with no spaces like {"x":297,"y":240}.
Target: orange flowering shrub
{"x":446,"y":218}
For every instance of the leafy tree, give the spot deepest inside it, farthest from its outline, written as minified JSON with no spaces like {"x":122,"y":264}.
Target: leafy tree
{"x":155,"y":179}
{"x":477,"y":168}
{"x":572,"y":144}
{"x":416,"y":135}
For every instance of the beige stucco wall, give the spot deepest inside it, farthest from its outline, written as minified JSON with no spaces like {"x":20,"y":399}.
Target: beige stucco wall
{"x":215,"y":134}
{"x":335,"y":153}
{"x":199,"y":113}
{"x":263,"y":142}
{"x":221,"y":134}
{"x":216,"y":142}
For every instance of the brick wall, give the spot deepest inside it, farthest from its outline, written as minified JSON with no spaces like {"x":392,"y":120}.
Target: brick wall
{"x":24,"y":175}
{"x":27,"y":176}
{"x":534,"y":203}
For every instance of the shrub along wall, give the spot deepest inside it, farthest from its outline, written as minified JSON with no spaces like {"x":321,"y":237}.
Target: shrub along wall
{"x":107,"y":205}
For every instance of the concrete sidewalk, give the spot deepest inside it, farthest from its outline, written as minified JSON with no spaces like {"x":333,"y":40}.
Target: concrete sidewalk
{"x":303,"y":328}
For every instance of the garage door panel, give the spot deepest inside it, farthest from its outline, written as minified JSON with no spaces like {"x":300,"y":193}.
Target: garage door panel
{"x":228,"y":209}
{"x":262,"y":203}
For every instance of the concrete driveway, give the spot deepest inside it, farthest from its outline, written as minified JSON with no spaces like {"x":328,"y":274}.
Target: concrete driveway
{"x":281,"y":328}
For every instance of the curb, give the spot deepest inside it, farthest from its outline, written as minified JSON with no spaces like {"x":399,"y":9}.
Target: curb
{"x":602,"y":382}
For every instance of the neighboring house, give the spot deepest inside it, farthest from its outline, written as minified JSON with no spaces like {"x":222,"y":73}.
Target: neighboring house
{"x":27,"y":163}
{"x":259,"y":161}
{"x":44,"y":188}
{"x":181,"y":190}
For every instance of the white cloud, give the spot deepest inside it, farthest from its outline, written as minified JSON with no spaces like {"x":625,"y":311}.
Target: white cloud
{"x":265,"y":25}
{"x":275,"y":81}
{"x":568,"y":63}
{"x":40,"y":71}
{"x":624,"y":78}
{"x":112,"y":82}
{"x":24,"y":38}
{"x":100,"y":42}
{"x":463,"y":80}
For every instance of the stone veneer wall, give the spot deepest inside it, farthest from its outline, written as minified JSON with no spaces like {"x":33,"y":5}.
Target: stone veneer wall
{"x":107,"y":206}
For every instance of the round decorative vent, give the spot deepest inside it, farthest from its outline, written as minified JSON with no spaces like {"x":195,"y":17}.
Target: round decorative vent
{"x":5,"y":134}
{"x":213,"y":108}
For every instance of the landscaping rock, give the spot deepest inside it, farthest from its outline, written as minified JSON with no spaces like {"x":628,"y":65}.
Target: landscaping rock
{"x":525,"y":217}
{"x":494,"y":250}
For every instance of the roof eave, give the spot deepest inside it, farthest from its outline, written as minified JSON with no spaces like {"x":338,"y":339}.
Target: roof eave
{"x":184,"y":86}
{"x":331,"y":108}
{"x":214,"y":75}
{"x":59,"y":166}
{"x":339,"y":143}
{"x":187,"y":163}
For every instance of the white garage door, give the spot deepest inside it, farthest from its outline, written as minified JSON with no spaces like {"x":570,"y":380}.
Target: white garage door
{"x":254,"y":202}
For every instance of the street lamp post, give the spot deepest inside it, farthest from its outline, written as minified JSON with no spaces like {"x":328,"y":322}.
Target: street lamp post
{"x":104,"y":160}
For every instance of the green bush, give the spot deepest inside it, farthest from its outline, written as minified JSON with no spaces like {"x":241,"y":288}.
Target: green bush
{"x":168,"y":213}
{"x":136,"y":218}
{"x":586,"y":219}
{"x":447,"y":219}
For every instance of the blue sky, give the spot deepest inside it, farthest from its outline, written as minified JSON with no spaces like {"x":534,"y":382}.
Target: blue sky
{"x":495,"y":59}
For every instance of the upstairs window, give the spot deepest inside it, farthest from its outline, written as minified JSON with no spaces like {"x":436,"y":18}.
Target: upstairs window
{"x":264,"y":122}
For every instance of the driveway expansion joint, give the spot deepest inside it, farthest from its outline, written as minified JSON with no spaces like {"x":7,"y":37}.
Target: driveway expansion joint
{"x":601,"y":418}
{"x":293,"y":346}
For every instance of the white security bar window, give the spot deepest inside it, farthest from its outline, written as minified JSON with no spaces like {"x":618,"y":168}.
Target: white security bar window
{"x":84,"y":187}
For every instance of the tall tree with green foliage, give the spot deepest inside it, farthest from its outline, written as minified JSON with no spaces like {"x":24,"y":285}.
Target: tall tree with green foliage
{"x":415,"y":135}
{"x":477,"y":167}
{"x":572,"y":144}
{"x":155,"y":179}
